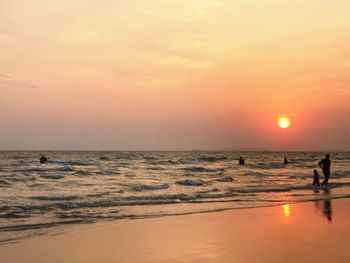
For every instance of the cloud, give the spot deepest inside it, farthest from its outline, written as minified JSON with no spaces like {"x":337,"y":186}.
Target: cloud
{"x":184,"y":62}
{"x":336,"y":84}
{"x":12,"y":81}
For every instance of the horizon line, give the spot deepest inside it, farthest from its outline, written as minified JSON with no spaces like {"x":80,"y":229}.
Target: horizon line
{"x":193,"y":150}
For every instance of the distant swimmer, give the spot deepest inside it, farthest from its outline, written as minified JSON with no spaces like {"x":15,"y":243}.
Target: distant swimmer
{"x":241,"y":161}
{"x":285,"y":160}
{"x":325,"y":164}
{"x":316,"y":180}
{"x":43,"y":159}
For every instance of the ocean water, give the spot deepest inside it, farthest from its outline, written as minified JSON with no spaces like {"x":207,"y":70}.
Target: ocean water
{"x":87,"y":187}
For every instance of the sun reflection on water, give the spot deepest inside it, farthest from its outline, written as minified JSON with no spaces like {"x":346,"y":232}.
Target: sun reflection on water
{"x":286,"y":210}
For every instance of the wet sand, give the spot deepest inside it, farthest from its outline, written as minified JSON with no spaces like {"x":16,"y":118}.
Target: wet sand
{"x":302,"y":232}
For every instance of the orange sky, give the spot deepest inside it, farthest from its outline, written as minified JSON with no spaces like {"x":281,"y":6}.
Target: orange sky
{"x":173,"y":75}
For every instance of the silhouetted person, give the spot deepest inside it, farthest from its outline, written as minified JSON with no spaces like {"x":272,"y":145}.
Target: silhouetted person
{"x":325,"y":164}
{"x":43,"y":159}
{"x":285,"y":161}
{"x":241,"y":161}
{"x":316,"y":180}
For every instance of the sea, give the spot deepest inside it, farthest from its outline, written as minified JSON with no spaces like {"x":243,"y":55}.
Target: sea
{"x":88,"y":187}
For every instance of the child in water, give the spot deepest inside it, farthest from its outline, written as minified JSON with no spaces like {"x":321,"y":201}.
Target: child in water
{"x":316,"y":178}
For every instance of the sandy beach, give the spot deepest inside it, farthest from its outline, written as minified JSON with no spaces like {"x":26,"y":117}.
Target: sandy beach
{"x":315,"y":231}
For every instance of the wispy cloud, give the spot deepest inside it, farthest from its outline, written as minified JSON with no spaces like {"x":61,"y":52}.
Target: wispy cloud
{"x":183,"y":62}
{"x":12,"y":81}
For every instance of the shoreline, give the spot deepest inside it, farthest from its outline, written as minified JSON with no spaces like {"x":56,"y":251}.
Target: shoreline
{"x":239,"y":235}
{"x":58,"y":227}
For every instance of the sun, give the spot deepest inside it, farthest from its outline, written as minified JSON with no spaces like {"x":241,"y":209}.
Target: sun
{"x":283,"y":122}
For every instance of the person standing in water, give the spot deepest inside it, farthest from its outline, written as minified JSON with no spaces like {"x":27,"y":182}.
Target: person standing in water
{"x":316,"y":178}
{"x":43,"y":159}
{"x":325,"y":164}
{"x":241,"y":161}
{"x":285,"y":161}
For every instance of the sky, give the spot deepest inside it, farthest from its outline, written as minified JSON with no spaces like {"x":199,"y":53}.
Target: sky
{"x":174,"y":75}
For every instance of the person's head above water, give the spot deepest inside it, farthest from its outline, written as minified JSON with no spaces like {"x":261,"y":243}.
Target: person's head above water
{"x":327,"y":156}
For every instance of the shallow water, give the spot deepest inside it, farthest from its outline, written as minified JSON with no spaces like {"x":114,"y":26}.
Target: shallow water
{"x":85,"y":187}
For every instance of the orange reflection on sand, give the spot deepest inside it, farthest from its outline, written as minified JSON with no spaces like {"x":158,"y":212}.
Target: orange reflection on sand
{"x":286,"y":210}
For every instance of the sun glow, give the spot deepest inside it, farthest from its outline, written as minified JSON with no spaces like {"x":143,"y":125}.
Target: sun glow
{"x":286,"y":210}
{"x":283,"y":122}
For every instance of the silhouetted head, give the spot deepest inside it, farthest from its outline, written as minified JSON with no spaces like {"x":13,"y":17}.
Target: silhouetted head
{"x":327,"y":156}
{"x":315,"y":172}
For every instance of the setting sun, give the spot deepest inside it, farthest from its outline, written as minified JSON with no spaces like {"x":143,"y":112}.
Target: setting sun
{"x":283,"y":122}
